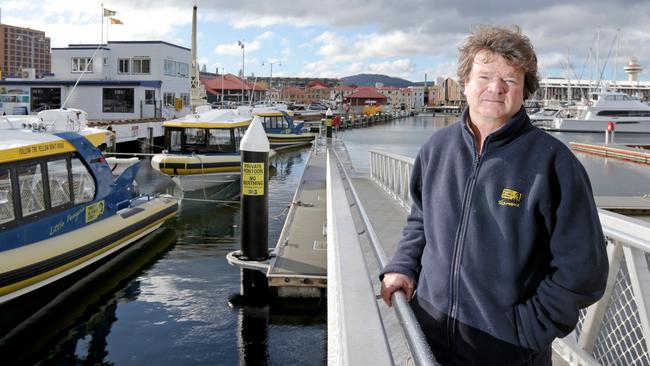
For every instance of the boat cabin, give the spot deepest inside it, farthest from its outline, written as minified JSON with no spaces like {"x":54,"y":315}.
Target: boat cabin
{"x":43,"y":178}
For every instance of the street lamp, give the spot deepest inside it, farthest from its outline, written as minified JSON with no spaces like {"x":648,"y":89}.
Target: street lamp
{"x":271,"y":63}
{"x":243,"y":74}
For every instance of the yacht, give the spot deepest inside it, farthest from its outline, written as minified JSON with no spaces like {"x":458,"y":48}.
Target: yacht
{"x":280,"y":127}
{"x":628,"y":114}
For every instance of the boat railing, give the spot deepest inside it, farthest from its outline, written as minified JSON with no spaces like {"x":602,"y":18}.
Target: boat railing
{"x":616,"y":329}
{"x":355,"y":301}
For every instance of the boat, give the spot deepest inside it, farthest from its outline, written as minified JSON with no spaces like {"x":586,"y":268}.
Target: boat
{"x":61,"y":207}
{"x":280,"y":127}
{"x":628,"y":115}
{"x":202,"y":149}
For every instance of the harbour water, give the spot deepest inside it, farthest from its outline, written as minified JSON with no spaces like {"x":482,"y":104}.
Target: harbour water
{"x":172,"y":298}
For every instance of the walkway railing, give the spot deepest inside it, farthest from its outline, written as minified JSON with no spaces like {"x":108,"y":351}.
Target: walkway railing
{"x":613,"y":331}
{"x":352,"y":306}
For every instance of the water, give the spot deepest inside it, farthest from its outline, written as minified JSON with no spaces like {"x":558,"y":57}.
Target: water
{"x":167,"y":300}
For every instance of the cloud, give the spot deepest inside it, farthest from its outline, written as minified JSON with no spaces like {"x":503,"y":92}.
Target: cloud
{"x":404,"y":67}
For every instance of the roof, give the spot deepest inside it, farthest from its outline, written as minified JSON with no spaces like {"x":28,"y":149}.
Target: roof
{"x":107,"y":46}
{"x":366,"y":93}
{"x":318,"y":86}
{"x":345,"y":88}
{"x":229,"y":82}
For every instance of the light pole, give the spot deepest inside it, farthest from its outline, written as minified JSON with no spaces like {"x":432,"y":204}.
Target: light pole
{"x":223,"y":71}
{"x":243,"y":74}
{"x":271,"y":63}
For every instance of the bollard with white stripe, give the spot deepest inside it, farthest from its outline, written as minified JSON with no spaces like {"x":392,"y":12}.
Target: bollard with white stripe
{"x":328,"y":122}
{"x":254,"y":206}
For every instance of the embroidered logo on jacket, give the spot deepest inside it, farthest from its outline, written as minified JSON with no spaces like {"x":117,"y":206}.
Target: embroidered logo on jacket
{"x":510,"y":197}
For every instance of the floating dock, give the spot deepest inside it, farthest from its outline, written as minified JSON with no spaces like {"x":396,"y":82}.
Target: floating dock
{"x":634,"y":153}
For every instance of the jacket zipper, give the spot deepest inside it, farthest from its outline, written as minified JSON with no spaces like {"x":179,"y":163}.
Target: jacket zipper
{"x":458,"y":250}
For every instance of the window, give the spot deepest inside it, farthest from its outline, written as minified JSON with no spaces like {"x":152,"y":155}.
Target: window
{"x":57,"y":173}
{"x":168,"y":99}
{"x":149,"y":96}
{"x":175,"y":143}
{"x":30,"y":181}
{"x":170,"y":68}
{"x":45,"y":98}
{"x":118,"y":100}
{"x":220,"y":140}
{"x":183,"y":69}
{"x":186,"y":99}
{"x":123,"y":66}
{"x":195,"y":136}
{"x":79,"y":64}
{"x":105,"y":61}
{"x":82,"y":182}
{"x":6,"y":198}
{"x":141,"y":65}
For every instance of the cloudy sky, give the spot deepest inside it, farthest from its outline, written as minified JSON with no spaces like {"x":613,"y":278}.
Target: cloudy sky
{"x":402,"y":38}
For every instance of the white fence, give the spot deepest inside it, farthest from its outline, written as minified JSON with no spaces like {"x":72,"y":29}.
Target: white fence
{"x":613,"y":331}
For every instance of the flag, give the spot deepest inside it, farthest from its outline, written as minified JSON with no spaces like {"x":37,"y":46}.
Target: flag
{"x":109,"y":13}
{"x":115,"y":21}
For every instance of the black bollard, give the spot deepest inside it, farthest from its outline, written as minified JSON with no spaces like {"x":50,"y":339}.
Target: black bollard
{"x":254,"y":205}
{"x":328,"y":122}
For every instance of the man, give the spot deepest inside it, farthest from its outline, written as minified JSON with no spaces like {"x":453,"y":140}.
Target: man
{"x":503,"y":242}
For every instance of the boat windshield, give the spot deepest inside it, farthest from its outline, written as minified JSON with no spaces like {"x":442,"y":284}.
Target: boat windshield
{"x":6,"y":200}
{"x":203,"y":140}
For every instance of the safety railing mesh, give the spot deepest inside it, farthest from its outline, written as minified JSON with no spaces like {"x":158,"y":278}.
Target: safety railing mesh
{"x":620,"y":340}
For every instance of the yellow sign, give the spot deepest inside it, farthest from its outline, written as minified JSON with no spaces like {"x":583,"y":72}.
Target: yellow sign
{"x":94,"y":211}
{"x":252,"y":178}
{"x":510,"y":197}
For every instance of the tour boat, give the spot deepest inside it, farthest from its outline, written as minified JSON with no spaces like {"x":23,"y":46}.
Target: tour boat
{"x":280,"y":127}
{"x":61,"y":208}
{"x":202,"y":149}
{"x":628,"y":115}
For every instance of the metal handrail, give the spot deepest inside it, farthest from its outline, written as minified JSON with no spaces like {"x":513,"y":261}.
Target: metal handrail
{"x":626,"y":297}
{"x":416,"y":340}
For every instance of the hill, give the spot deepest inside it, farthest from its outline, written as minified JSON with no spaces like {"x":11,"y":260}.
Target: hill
{"x":371,"y":79}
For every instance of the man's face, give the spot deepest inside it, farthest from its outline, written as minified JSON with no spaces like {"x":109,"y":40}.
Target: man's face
{"x":495,"y":90}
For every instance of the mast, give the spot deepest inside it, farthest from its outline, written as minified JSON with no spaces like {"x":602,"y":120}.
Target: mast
{"x":197,"y":90}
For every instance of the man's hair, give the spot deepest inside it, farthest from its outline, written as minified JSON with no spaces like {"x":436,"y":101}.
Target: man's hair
{"x":508,"y":43}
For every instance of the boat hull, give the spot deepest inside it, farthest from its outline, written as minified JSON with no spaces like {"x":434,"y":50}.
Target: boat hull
{"x":194,"y":172}
{"x":286,"y":140}
{"x":577,"y":125}
{"x":30,"y":267}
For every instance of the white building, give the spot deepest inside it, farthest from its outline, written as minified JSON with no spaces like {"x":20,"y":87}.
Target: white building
{"x":125,"y":80}
{"x":572,"y":89}
{"x":417,"y":98}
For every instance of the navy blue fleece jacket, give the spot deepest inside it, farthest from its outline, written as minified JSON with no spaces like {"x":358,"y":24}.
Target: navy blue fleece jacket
{"x":507,"y":242}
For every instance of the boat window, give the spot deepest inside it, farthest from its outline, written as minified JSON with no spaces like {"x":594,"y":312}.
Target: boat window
{"x":82,"y":182}
{"x":195,"y":136}
{"x":30,"y":182}
{"x":221,"y":139}
{"x":611,"y":97}
{"x":239,"y":134}
{"x":57,"y":173}
{"x":175,"y":140}
{"x":6,"y":198}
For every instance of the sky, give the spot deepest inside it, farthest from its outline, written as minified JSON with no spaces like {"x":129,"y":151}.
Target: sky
{"x":401,"y":38}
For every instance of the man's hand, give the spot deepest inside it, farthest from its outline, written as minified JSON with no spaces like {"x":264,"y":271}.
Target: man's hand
{"x":396,"y":282}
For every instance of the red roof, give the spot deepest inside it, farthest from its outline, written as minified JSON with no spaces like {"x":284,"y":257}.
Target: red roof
{"x":366,"y":93}
{"x":230,"y":82}
{"x":345,"y":88}
{"x":318,"y":86}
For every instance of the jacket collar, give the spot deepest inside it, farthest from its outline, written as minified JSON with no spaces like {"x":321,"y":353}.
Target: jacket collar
{"x":502,"y":136}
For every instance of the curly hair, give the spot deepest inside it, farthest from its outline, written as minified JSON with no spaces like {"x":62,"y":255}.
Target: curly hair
{"x":508,"y":43}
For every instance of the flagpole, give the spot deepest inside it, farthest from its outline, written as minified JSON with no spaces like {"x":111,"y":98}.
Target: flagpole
{"x":102,"y":39}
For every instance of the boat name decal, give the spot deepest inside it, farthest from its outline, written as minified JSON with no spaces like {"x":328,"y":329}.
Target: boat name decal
{"x":94,"y":211}
{"x":252,"y":177}
{"x":510,"y":197}
{"x":54,"y":229}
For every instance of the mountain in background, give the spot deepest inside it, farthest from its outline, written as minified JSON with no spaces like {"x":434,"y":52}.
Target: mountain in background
{"x":371,"y":79}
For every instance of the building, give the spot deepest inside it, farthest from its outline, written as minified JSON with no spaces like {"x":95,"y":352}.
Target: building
{"x":279,"y":81}
{"x":364,"y":96}
{"x":316,"y":92}
{"x":293,"y":94}
{"x":576,"y":90}
{"x":24,"y":48}
{"x":126,"y":80}
{"x":417,"y":98}
{"x":233,"y":89}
